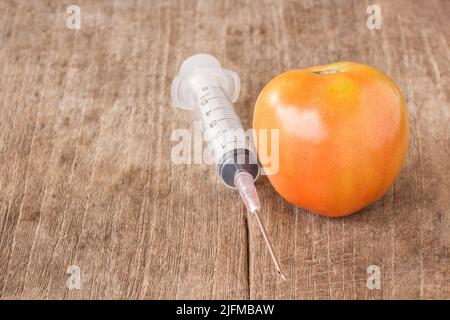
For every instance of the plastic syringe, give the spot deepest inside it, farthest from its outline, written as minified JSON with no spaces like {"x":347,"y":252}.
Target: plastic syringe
{"x":204,"y":86}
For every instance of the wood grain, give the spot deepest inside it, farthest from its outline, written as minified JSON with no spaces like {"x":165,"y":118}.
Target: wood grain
{"x":85,"y":139}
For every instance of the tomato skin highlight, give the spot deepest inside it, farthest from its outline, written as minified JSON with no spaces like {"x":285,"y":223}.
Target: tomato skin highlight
{"x":343,"y":135}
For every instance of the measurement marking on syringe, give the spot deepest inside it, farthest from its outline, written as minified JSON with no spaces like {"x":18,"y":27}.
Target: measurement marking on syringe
{"x":221,"y":133}
{"x":205,"y":101}
{"x":204,"y":96}
{"x":214,"y":98}
{"x":218,"y":134}
{"x":214,"y":122}
{"x":209,"y":111}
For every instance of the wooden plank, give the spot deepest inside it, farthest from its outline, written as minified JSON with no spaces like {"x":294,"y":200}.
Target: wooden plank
{"x":86,"y":177}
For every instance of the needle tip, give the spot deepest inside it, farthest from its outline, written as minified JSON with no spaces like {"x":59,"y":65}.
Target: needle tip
{"x":269,"y":245}
{"x":282,"y":275}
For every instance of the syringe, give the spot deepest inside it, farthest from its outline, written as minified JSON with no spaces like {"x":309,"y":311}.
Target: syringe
{"x":204,"y":86}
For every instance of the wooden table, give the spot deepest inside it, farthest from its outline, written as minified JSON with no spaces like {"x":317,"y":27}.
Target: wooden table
{"x":87,"y":186}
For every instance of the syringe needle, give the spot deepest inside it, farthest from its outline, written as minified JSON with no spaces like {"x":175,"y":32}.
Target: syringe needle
{"x":269,"y":245}
{"x":243,"y":181}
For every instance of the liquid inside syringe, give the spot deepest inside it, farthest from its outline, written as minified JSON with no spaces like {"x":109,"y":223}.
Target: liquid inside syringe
{"x":202,"y":85}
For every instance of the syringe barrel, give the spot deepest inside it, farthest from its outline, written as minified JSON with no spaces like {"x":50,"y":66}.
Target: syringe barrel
{"x":230,"y":145}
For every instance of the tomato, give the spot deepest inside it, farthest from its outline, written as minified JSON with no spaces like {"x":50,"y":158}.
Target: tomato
{"x":343,"y":135}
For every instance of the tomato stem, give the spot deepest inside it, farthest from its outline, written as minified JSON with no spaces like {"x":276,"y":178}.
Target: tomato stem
{"x":327,"y":71}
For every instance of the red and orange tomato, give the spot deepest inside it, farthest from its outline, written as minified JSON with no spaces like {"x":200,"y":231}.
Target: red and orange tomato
{"x":343,"y":133}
